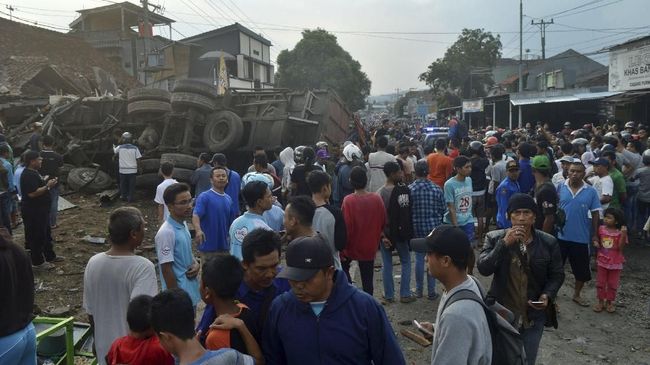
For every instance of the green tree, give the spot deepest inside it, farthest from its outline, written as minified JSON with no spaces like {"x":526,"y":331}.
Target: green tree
{"x":463,"y":67}
{"x":319,"y":62}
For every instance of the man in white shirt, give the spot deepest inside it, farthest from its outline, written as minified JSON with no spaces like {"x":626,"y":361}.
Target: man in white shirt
{"x":127,"y":155}
{"x":114,"y":277}
{"x":376,"y":162}
{"x":166,"y":170}
{"x":601,"y":181}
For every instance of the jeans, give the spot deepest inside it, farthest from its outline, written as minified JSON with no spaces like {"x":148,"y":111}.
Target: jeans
{"x":5,"y":211}
{"x":419,"y":277}
{"x":54,"y":207}
{"x":366,"y":270}
{"x":19,"y":348}
{"x":533,"y":335}
{"x":387,"y":270}
{"x":127,"y":186}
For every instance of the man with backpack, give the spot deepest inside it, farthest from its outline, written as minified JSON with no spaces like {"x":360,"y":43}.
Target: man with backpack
{"x":528,"y":271}
{"x":462,"y":334}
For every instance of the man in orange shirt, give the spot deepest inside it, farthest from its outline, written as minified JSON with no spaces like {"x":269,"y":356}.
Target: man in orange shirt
{"x":440,"y":168}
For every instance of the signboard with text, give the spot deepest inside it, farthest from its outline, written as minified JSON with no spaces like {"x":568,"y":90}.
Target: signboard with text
{"x":629,"y":69}
{"x":472,"y":106}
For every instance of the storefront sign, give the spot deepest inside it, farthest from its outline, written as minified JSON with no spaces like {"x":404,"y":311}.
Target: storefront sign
{"x":629,"y":69}
{"x":472,"y":106}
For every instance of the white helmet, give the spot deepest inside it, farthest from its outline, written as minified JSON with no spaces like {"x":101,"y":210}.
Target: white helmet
{"x":321,"y":145}
{"x":352,"y":152}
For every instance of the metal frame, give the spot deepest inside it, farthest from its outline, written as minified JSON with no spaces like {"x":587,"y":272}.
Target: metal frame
{"x":59,"y":323}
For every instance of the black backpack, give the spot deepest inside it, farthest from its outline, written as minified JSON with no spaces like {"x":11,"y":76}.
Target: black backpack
{"x":507,"y":343}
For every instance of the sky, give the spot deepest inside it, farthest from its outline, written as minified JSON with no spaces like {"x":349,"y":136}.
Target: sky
{"x":394,"y":40}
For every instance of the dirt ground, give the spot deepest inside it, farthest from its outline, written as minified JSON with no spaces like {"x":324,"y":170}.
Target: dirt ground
{"x":583,"y":336}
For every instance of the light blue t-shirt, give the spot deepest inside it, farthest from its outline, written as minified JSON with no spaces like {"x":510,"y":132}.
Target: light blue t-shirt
{"x":174,"y":244}
{"x":460,"y":194}
{"x":317,"y":307}
{"x":216,"y":212}
{"x":242,"y":226}
{"x":274,"y":217}
{"x":578,"y":225}
{"x":17,"y":174}
{"x":224,"y":356}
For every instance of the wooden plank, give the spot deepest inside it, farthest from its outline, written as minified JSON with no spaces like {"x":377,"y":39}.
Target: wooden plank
{"x":420,"y":340}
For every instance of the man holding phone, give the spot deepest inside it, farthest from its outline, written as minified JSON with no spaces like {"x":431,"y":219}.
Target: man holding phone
{"x":528,"y":272}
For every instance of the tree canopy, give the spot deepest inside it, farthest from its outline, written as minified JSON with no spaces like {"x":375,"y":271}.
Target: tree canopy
{"x":464,"y":67}
{"x":319,"y":62}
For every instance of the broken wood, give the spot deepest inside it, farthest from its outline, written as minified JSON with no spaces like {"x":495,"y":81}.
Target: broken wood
{"x":420,"y":340}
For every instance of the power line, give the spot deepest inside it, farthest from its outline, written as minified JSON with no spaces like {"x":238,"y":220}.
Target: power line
{"x":34,"y":22}
{"x":589,"y":9}
{"x":574,"y":8}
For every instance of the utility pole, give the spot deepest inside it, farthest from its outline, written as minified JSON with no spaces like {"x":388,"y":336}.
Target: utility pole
{"x":521,"y":54}
{"x":11,"y":11}
{"x":542,"y":27}
{"x":147,"y":34}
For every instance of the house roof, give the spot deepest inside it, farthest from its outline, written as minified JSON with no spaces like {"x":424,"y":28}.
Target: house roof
{"x":27,"y":51}
{"x":629,"y":41}
{"x":228,"y":29}
{"x":133,"y":13}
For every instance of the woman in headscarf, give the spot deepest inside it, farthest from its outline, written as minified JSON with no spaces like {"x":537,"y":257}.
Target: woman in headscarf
{"x":286,"y":156}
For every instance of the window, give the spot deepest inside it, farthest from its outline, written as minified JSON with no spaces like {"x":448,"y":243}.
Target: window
{"x":541,"y":82}
{"x":550,"y":80}
{"x":559,"y":79}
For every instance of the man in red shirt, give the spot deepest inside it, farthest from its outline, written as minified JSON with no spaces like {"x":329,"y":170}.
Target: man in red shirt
{"x":440,"y":168}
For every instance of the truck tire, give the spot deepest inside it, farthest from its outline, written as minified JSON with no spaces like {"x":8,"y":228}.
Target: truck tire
{"x":148,"y":94}
{"x":149,"y":165}
{"x":89,"y":180}
{"x":182,"y":175}
{"x":149,"y":106}
{"x":223,"y":131}
{"x":180,"y":161}
{"x":64,"y":171}
{"x":197,"y":87}
{"x":180,"y":100}
{"x":147,"y":181}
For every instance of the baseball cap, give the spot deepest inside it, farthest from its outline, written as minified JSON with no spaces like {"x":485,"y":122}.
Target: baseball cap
{"x":491,"y":141}
{"x":540,"y":163}
{"x":512,"y":164}
{"x":445,"y":240}
{"x":568,"y":159}
{"x":322,"y":153}
{"x":600,"y":161}
{"x":305,"y":256}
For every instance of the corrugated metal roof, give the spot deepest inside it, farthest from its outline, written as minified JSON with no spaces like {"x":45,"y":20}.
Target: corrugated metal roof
{"x":563,"y":98}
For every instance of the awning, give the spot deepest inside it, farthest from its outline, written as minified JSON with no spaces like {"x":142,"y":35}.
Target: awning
{"x":627,"y":97}
{"x":562,"y":98}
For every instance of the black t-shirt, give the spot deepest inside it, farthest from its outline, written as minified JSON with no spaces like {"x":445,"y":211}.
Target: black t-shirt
{"x":52,"y":162}
{"x":547,"y":200}
{"x":17,"y":288}
{"x":30,"y":180}
{"x":479,"y":180}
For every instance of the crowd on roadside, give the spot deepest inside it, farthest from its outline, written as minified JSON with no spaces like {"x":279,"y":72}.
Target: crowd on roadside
{"x":553,"y":197}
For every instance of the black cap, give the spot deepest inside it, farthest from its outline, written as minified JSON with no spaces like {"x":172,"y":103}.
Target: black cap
{"x":305,"y":256}
{"x":601,"y":161}
{"x":444,"y":240}
{"x":521,"y":201}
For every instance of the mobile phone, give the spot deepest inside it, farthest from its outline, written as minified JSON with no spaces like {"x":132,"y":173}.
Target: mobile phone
{"x":424,"y":331}
{"x":537,"y":302}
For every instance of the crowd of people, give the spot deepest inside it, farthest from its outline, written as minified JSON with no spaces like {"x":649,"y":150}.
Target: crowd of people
{"x":575,"y":195}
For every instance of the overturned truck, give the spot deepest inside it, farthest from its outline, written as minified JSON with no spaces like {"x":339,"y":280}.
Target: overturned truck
{"x":177,"y":126}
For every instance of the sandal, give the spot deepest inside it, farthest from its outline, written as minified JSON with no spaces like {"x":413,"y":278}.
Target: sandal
{"x":598,"y":307}
{"x":611,"y":308}
{"x":581,"y":302}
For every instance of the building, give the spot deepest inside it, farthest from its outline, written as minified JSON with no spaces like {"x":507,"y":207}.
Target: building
{"x":110,"y":29}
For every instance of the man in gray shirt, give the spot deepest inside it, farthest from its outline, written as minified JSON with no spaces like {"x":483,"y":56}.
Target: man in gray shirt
{"x":328,"y":219}
{"x":462,"y":333}
{"x":376,"y":162}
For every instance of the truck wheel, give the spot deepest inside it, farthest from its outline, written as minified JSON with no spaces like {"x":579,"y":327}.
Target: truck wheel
{"x":196,"y":86}
{"x":149,"y":165}
{"x":147,"y":181}
{"x":223,"y":131}
{"x":182,"y":175}
{"x":148,"y":106}
{"x":180,"y":100}
{"x":148,"y":94}
{"x":89,"y":180}
{"x":64,"y":171}
{"x":180,"y":161}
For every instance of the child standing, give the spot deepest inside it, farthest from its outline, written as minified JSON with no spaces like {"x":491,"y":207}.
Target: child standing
{"x":612,"y":237}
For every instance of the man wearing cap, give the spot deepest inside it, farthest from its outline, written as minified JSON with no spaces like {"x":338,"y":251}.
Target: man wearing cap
{"x":324,"y":319}
{"x":462,"y":334}
{"x":577,"y":199}
{"x":528,"y":271}
{"x":201,"y":176}
{"x":601,"y":181}
{"x":234,"y":180}
{"x":427,"y":209}
{"x":561,"y":176}
{"x":507,"y":188}
{"x":127,"y":156}
{"x":35,"y":138}
{"x":545,"y":194}
{"x":322,"y":161}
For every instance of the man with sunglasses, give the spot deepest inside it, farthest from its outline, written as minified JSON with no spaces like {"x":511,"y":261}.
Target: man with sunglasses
{"x":177,"y":265}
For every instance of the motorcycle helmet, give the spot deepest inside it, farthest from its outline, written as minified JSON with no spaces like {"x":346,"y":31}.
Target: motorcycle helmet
{"x":351,"y":152}
{"x":297,"y":154}
{"x":476,"y":147}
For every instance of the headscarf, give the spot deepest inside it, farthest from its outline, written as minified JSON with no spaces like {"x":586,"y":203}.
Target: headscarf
{"x":286,"y":157}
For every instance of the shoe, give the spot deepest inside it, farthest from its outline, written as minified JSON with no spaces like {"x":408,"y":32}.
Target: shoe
{"x":43,"y":267}
{"x":409,"y":299}
{"x":386,"y":301}
{"x":418,"y":294}
{"x":433,"y":297}
{"x":57,"y":259}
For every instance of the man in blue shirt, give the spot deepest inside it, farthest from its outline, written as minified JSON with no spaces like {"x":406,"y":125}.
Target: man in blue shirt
{"x":234,"y":180}
{"x":178,"y":268}
{"x":577,"y":199}
{"x":526,"y":179}
{"x":214,"y":211}
{"x":507,"y":188}
{"x":201,"y":176}
{"x":258,"y":199}
{"x":427,"y":209}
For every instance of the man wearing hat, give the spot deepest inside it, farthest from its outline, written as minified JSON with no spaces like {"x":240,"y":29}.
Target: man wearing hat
{"x":507,"y":188}
{"x":234,"y":180}
{"x":601,"y":181}
{"x":545,"y":194}
{"x":528,"y":271}
{"x":562,"y":175}
{"x":462,"y":334}
{"x":324,"y":319}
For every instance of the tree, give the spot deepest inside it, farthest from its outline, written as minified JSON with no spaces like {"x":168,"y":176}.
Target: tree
{"x":461,"y":72}
{"x":319,"y":62}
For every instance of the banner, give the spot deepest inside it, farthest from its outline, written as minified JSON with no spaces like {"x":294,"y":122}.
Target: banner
{"x":223,"y":77}
{"x":472,"y":106}
{"x":629,"y":69}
